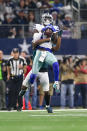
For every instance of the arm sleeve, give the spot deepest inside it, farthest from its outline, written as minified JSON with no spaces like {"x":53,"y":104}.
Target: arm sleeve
{"x":36,"y":37}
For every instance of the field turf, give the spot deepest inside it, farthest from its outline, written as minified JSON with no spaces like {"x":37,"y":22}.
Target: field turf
{"x":60,"y":120}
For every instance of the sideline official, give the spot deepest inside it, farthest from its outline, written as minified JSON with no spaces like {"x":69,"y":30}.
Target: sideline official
{"x":15,"y":70}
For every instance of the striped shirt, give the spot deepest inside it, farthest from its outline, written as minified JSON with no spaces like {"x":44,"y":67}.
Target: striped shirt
{"x":14,"y":66}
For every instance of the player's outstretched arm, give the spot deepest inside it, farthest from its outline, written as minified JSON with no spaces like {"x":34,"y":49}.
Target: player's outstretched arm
{"x":58,"y":43}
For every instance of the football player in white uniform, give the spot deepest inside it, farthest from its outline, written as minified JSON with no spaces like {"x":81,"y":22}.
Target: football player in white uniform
{"x":46,"y":19}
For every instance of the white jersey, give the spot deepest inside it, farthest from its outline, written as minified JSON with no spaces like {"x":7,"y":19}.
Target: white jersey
{"x":38,"y":36}
{"x":38,"y":27}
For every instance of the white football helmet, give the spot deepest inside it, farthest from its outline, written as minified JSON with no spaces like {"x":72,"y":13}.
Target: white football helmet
{"x":47,"y":19}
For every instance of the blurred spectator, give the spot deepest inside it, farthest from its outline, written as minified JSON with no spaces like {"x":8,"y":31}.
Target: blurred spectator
{"x":23,"y":54}
{"x":16,"y":1}
{"x":68,"y":25}
{"x":30,"y":4}
{"x":38,"y":3}
{"x":20,"y":19}
{"x":6,"y":29}
{"x":2,"y":11}
{"x":31,"y":23}
{"x":21,"y":22}
{"x":57,"y":3}
{"x":22,"y":4}
{"x":68,"y":21}
{"x":56,"y":16}
{"x":46,"y":4}
{"x":22,"y":7}
{"x":3,"y":76}
{"x":28,"y":60}
{"x":9,"y":7}
{"x":78,"y":93}
{"x":8,"y":19}
{"x":81,"y":82}
{"x":67,"y":82}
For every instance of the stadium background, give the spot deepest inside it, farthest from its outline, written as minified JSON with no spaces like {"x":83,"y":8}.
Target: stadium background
{"x":15,"y":35}
{"x":74,"y":44}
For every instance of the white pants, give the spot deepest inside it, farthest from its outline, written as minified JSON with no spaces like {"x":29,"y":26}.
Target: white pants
{"x":43,"y":77}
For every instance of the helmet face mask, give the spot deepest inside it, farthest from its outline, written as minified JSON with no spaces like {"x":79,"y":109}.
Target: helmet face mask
{"x":47,"y":19}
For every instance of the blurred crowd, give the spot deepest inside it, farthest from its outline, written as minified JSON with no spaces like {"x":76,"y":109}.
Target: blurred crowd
{"x":17,"y":17}
{"x":73,"y":83}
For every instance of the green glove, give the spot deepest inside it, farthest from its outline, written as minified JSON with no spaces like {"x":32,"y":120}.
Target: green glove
{"x":60,"y":33}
